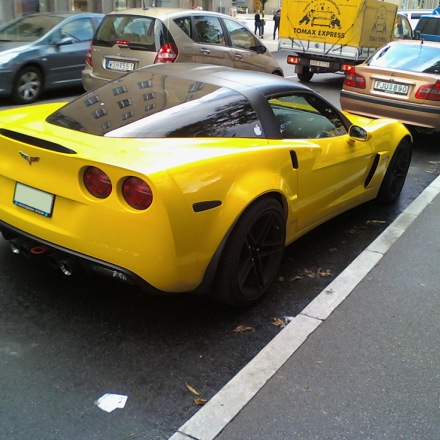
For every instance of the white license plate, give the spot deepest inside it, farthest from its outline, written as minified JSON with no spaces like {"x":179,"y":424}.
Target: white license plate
{"x":319,"y":63}
{"x":120,"y":66}
{"x":390,"y":87}
{"x":34,"y":200}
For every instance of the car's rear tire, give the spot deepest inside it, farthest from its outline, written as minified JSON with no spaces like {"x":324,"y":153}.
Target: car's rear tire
{"x":277,"y":73}
{"x":396,"y":172}
{"x":305,"y":75}
{"x":28,"y":85}
{"x":253,"y":254}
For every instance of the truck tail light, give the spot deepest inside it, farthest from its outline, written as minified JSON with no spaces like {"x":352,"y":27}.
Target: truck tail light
{"x":292,"y":59}
{"x":353,"y":79}
{"x":346,"y":67}
{"x":167,"y":54}
{"x":430,"y":92}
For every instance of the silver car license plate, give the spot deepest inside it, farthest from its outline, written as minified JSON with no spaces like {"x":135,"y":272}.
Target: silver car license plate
{"x":391,"y":87}
{"x":34,"y":200}
{"x":120,"y":66}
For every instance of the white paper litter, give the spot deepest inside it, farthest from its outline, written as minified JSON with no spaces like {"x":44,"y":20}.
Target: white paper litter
{"x":109,"y":402}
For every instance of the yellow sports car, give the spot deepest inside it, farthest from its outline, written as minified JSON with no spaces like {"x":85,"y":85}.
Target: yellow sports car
{"x":188,"y":178}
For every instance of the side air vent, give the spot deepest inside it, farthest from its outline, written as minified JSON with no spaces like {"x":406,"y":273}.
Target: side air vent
{"x":372,"y":170}
{"x":36,"y":142}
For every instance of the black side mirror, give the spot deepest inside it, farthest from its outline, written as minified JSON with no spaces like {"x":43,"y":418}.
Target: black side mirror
{"x":358,"y":133}
{"x":260,"y":49}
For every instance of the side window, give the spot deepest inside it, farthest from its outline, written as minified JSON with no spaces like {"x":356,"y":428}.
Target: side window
{"x":402,"y":28}
{"x":79,"y":30}
{"x":209,"y":30}
{"x":184,"y":24}
{"x":406,"y":28}
{"x":240,"y":36}
{"x":305,"y":116}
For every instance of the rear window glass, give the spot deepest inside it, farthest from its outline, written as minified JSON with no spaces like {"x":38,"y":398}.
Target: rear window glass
{"x":413,"y":58}
{"x":142,"y":32}
{"x":145,"y":104}
{"x":429,"y":26}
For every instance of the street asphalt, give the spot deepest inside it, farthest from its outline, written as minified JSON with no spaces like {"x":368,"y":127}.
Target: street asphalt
{"x":361,"y":361}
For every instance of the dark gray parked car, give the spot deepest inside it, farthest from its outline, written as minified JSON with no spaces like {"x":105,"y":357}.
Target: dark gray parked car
{"x":44,"y":51}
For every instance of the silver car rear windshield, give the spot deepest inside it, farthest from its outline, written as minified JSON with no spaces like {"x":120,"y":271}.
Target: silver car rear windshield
{"x":409,"y":57}
{"x":135,"y":32}
{"x":145,"y":105}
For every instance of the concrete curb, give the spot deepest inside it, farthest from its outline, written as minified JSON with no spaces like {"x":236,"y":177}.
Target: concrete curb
{"x":211,"y":419}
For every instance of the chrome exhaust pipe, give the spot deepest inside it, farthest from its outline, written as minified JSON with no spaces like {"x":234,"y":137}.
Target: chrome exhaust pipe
{"x":67,"y":265}
{"x":14,"y":247}
{"x":21,"y":246}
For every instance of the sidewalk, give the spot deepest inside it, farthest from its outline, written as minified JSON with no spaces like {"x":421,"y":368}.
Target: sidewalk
{"x":361,"y":361}
{"x":267,"y":40}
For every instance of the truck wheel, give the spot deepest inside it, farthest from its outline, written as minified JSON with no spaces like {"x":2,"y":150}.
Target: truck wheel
{"x":305,"y":75}
{"x":252,"y":256}
{"x":396,"y":172}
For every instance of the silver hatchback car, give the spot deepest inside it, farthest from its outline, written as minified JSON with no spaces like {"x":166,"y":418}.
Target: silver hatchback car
{"x":133,"y":38}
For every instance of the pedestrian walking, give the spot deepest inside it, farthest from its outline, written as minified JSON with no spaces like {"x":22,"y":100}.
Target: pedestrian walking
{"x":262,"y":24}
{"x":276,"y":26}
{"x":257,"y":20}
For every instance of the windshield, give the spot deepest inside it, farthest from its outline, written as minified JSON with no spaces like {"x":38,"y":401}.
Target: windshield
{"x":410,"y":57}
{"x":29,"y":28}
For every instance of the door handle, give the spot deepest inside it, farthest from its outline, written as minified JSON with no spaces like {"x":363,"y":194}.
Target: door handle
{"x":238,"y":57}
{"x":205,"y":51}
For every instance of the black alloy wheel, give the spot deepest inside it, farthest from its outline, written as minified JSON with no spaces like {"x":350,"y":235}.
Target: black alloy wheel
{"x":396,"y":173}
{"x":253,"y":254}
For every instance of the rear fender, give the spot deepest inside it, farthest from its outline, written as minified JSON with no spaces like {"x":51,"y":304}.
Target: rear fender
{"x":240,"y":196}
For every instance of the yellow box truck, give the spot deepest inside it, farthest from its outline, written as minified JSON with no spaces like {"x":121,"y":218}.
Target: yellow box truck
{"x":327,"y":35}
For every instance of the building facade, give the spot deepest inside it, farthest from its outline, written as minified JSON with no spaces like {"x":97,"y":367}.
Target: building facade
{"x":14,"y":8}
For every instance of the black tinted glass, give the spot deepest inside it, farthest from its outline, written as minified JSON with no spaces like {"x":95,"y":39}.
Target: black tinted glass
{"x":145,"y":104}
{"x":429,"y":26}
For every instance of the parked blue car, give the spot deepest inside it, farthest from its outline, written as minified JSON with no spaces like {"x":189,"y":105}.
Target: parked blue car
{"x":428,"y":27}
{"x":44,"y":51}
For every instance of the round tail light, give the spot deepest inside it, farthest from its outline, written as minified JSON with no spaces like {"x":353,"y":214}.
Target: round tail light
{"x":98,"y":184}
{"x":137,"y":193}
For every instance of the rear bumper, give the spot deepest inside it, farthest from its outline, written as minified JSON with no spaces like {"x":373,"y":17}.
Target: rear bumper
{"x":90,"y":81}
{"x":68,"y":261}
{"x":379,"y":107}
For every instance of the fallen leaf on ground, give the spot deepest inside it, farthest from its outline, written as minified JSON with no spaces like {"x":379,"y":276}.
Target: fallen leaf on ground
{"x":243,"y":329}
{"x":199,"y":401}
{"x":324,"y":272}
{"x":193,"y":390}
{"x":278,"y":322}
